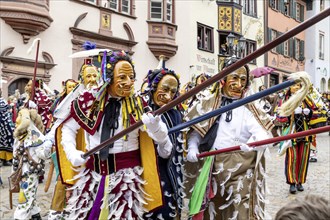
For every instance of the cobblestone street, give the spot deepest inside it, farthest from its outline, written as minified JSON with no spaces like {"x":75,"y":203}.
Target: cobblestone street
{"x":318,"y":182}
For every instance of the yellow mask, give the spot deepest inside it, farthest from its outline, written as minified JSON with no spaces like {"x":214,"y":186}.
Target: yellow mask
{"x":123,"y":80}
{"x":166,"y":90}
{"x":235,"y":84}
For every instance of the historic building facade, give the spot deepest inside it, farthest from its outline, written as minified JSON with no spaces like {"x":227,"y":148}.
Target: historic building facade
{"x":318,"y":60}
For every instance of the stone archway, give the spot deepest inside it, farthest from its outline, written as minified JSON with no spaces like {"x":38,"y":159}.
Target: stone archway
{"x":17,"y":84}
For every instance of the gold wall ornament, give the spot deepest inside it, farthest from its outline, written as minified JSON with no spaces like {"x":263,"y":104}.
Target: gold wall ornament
{"x":225,"y":18}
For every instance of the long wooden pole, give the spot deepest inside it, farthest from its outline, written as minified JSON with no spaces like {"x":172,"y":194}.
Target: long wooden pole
{"x":35,"y":72}
{"x":268,"y":141}
{"x":301,"y":27}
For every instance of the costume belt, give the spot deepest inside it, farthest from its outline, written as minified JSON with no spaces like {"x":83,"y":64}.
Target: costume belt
{"x":114,"y":162}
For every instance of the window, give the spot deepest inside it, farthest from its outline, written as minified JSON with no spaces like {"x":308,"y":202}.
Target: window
{"x":250,"y":47}
{"x":204,"y":38}
{"x":156,"y":10}
{"x":159,"y":13}
{"x":125,"y":6}
{"x":274,"y":4}
{"x":113,"y":4}
{"x":169,"y":10}
{"x":287,"y":7}
{"x":286,"y":48}
{"x":321,"y":46}
{"x":273,"y":34}
{"x":250,"y":7}
{"x":321,"y":5}
{"x":122,"y":6}
{"x":273,"y":79}
{"x":299,"y":12}
{"x":299,"y":48}
{"x":91,"y":1}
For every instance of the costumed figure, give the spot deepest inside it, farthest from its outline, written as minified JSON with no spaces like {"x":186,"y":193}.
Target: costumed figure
{"x":40,"y":101}
{"x":163,"y":87}
{"x":89,"y":78}
{"x":28,"y":163}
{"x":230,"y":185}
{"x":319,"y":118}
{"x":121,"y":181}
{"x":68,"y":86}
{"x":296,"y":120}
{"x":206,"y":92}
{"x":6,"y":134}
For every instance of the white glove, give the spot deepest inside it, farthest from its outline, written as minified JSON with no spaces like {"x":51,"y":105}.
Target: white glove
{"x":192,"y":154}
{"x":246,"y":148}
{"x":156,"y":128}
{"x":164,"y":149}
{"x":298,"y":110}
{"x":32,"y":104}
{"x":306,"y":111}
{"x":44,"y":150}
{"x":76,"y":158}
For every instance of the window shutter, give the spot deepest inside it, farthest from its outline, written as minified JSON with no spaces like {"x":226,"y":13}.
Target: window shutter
{"x":279,"y":48}
{"x":294,"y":47}
{"x":281,"y":6}
{"x":302,"y":12}
{"x":302,"y":49}
{"x":269,"y":35}
{"x":294,"y":10}
{"x":290,"y":48}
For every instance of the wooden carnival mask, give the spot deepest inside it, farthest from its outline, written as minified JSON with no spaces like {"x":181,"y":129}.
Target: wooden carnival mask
{"x":28,"y":87}
{"x":166,"y":90}
{"x":69,"y":86}
{"x":123,"y":80}
{"x":294,"y":88}
{"x":235,"y":83}
{"x":90,"y":76}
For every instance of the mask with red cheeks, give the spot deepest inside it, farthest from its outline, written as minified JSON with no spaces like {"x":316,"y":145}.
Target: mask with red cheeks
{"x":235,"y":83}
{"x":123,"y":80}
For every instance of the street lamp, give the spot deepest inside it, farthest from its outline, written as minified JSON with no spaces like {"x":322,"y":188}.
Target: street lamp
{"x":238,"y":48}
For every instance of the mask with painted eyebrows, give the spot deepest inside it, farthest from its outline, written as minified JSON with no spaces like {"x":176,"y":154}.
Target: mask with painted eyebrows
{"x":166,"y":90}
{"x":235,"y":84}
{"x":123,"y":80}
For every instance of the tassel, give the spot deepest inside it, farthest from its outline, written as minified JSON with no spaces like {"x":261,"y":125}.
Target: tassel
{"x":240,"y":184}
{"x":230,"y":192}
{"x":212,"y":212}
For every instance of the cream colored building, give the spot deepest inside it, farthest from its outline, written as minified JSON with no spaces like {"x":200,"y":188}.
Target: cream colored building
{"x":186,"y":32}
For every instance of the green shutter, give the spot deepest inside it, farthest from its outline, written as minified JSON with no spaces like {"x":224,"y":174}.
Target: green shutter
{"x":294,"y":48}
{"x":302,"y":49}
{"x":281,"y":6}
{"x":294,"y":9}
{"x":290,"y":47}
{"x":269,"y":34}
{"x":302,"y":12}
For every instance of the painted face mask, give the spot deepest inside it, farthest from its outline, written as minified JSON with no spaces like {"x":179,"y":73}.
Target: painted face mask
{"x":90,"y":76}
{"x":28,"y":87}
{"x":235,"y":84}
{"x":295,"y":88}
{"x":70,"y":85}
{"x":123,"y":80}
{"x":166,"y":90}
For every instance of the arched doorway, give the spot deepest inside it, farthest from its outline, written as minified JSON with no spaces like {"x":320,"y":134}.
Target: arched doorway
{"x":17,"y":84}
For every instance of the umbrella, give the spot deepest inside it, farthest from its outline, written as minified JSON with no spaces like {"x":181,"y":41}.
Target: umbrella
{"x":87,"y":53}
{"x":261,"y":71}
